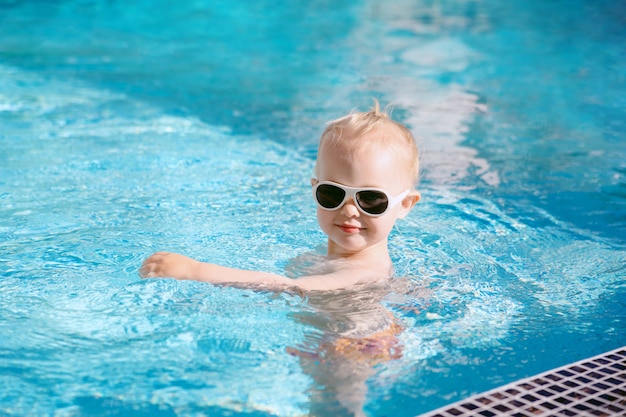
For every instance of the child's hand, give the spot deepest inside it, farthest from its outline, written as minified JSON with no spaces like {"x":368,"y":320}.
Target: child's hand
{"x":165,"y":264}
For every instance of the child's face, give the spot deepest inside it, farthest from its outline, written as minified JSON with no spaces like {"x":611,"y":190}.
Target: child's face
{"x":348,"y":229}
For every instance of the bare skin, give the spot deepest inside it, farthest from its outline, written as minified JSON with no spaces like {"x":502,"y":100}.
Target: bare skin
{"x":166,"y":264}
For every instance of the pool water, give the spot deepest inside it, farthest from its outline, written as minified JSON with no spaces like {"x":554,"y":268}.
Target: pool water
{"x":131,"y":127}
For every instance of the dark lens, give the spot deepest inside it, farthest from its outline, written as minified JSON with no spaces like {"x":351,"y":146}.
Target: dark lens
{"x":329,"y":196}
{"x":372,"y":202}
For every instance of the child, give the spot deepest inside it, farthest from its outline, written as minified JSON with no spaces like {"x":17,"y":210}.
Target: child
{"x":366,"y":170}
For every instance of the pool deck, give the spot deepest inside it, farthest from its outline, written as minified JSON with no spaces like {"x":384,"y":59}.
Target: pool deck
{"x":592,"y":387}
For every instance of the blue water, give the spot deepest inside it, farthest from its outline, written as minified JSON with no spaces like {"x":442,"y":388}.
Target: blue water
{"x":190,"y":126}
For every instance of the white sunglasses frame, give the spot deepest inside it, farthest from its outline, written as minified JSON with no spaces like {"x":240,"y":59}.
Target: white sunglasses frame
{"x":350,"y":192}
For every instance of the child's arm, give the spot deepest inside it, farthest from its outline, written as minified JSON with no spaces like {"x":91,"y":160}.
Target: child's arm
{"x":165,"y":264}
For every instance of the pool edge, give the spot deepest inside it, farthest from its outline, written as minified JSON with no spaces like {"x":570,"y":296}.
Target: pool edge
{"x":595,"y":386}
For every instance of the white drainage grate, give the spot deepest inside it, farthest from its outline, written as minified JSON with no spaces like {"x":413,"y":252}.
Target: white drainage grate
{"x":591,"y":387}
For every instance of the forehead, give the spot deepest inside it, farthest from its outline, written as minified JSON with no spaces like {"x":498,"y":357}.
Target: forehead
{"x":372,"y":166}
{"x":354,"y":145}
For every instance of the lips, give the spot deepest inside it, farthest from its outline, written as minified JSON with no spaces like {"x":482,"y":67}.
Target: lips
{"x":348,"y":228}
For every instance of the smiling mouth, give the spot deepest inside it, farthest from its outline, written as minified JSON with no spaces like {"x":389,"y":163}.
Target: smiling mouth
{"x":348,"y":228}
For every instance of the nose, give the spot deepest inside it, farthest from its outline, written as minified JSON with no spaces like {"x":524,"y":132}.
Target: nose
{"x":349,"y":208}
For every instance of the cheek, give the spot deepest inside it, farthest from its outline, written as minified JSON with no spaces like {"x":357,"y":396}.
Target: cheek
{"x":383,"y":225}
{"x":324,"y":218}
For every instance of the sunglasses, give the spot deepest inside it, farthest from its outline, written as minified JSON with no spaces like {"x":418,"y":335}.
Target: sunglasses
{"x":373,"y":202}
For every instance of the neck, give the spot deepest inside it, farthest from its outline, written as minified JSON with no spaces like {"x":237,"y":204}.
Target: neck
{"x":375,"y":257}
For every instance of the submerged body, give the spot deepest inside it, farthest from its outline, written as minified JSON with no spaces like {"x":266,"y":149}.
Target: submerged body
{"x":366,"y":171}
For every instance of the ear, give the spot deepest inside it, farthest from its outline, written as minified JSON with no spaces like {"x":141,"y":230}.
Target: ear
{"x":314,"y":182}
{"x":408,"y":203}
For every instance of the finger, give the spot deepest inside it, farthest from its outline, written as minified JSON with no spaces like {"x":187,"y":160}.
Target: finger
{"x":152,"y":259}
{"x":146,"y":269}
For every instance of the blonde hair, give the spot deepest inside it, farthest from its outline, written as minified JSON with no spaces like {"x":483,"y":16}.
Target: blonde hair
{"x":345,"y":135}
